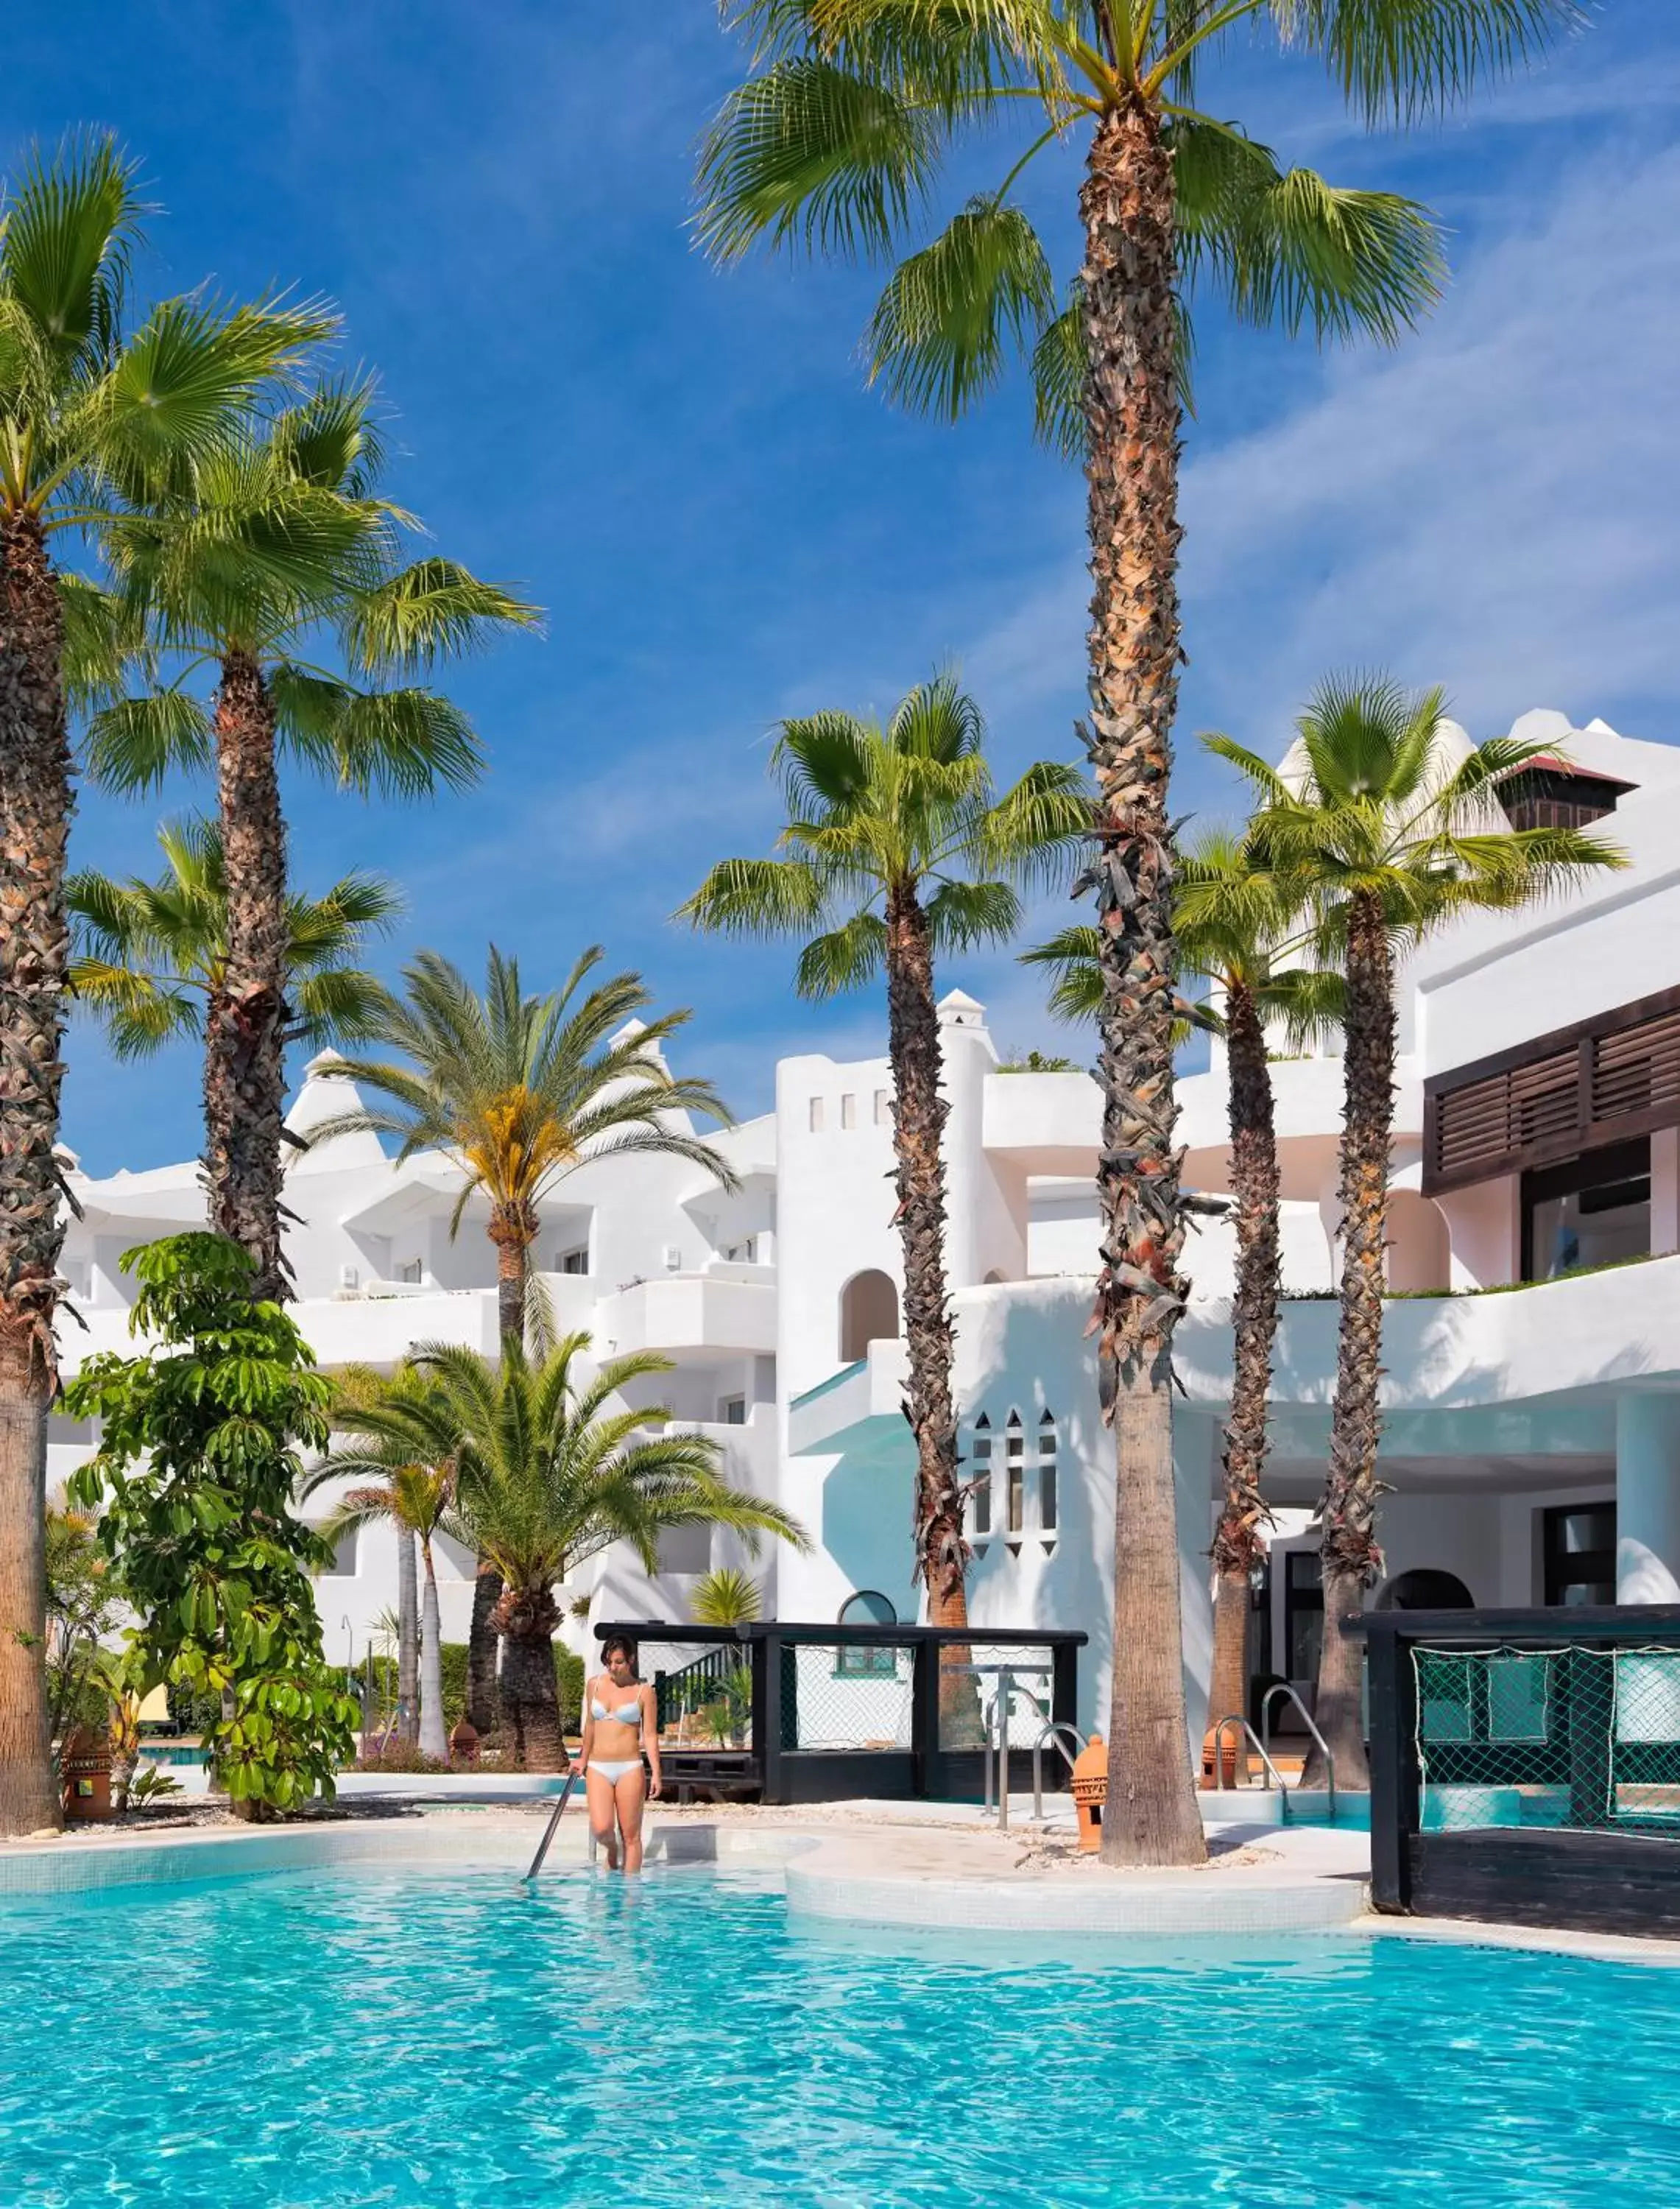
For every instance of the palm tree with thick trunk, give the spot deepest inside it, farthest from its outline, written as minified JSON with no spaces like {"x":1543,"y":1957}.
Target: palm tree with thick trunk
{"x":251,"y":568}
{"x":1239,"y":927}
{"x":898,"y":850}
{"x":519,"y":1091}
{"x":151,"y":956}
{"x":84,"y":409}
{"x":1390,"y":823}
{"x":549,"y":1475}
{"x":833,"y":144}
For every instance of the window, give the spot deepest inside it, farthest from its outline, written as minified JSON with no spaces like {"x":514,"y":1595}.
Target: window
{"x":742,"y":1253}
{"x":1015,"y":1465}
{"x":343,"y":1567}
{"x":573,"y":1261}
{"x":1047,"y":1499}
{"x":979,"y":1506}
{"x":816,"y":1115}
{"x":1589,"y":1211}
{"x":883,"y":1108}
{"x":869,"y":1313}
{"x":685,"y":1550}
{"x":848,"y":1111}
{"x":733,"y":1411}
{"x":1578,"y":1554}
{"x":868,"y":1607}
{"x":412,"y":1270}
{"x":1303,"y":1612}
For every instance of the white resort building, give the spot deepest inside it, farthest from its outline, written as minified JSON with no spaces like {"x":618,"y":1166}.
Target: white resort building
{"x":1532,"y":1437}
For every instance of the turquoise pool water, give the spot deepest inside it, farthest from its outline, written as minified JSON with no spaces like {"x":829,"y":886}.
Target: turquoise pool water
{"x":422,"y":2041}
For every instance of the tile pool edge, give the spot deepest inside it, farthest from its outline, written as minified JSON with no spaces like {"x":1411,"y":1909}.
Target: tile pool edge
{"x":1557,"y":1940}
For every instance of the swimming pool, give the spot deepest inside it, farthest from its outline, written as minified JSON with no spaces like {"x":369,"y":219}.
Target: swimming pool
{"x":398,"y":2039}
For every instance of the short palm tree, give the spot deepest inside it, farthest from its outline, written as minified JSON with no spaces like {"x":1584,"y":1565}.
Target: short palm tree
{"x":727,"y":1597}
{"x":834,"y":145}
{"x":1392,"y":834}
{"x":519,"y":1091}
{"x":85,"y":407}
{"x":1242,"y":927}
{"x":549,"y":1477}
{"x":151,"y":956}
{"x":897,"y":849}
{"x":398,"y":1439}
{"x":253,"y":565}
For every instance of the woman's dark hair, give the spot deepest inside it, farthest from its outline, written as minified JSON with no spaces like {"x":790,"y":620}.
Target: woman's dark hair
{"x":620,"y":1641}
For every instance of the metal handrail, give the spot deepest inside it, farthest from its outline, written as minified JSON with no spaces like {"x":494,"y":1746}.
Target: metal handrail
{"x":1283,"y":1687}
{"x":1236,"y":1720}
{"x":554,"y":1819}
{"x":1053,"y":1730}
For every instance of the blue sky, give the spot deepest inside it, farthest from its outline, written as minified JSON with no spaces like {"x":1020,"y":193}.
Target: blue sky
{"x":684,"y":468}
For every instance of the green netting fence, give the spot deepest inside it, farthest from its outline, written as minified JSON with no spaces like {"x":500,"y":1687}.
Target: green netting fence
{"x":1572,"y":1736}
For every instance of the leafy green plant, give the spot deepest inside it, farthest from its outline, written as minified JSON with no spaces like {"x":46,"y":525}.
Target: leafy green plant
{"x":201,"y":1438}
{"x":152,"y":1785}
{"x":727,"y":1597}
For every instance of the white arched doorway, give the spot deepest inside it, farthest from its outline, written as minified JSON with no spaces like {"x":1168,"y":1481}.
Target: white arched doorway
{"x":869,"y":1312}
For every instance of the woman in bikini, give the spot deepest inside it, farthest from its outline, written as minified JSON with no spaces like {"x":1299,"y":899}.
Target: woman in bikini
{"x":620,"y":1726}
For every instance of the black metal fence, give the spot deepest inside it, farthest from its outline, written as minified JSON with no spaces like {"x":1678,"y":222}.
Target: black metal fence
{"x":783,"y":1711}
{"x":1526,"y":1765}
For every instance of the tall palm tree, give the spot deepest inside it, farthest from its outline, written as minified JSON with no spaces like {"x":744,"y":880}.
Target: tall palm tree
{"x":833,"y":144}
{"x":1242,"y":927}
{"x":896,"y":849}
{"x":252,"y":566}
{"x":397,"y":1437}
{"x":549,"y":1477}
{"x":519,"y":1091}
{"x":84,"y":407}
{"x":1378,"y":818}
{"x":150,"y":956}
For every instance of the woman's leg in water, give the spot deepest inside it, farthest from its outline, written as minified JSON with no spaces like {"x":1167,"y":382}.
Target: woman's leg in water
{"x":629,"y":1794}
{"x":603,"y":1820}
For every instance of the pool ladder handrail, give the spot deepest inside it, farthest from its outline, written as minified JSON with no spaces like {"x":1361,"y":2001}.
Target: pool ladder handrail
{"x":555,"y":1817}
{"x":1061,"y":1732}
{"x":1283,"y":1687}
{"x":1261,"y":1744}
{"x":1236,"y":1720}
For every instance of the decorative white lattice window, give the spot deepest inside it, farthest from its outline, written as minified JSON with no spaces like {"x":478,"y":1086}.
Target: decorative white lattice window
{"x":1015,"y":1468}
{"x":979,"y":1491}
{"x":1049,"y":1500}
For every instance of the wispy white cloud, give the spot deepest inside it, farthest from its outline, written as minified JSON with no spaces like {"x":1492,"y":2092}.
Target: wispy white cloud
{"x":1492,"y":506}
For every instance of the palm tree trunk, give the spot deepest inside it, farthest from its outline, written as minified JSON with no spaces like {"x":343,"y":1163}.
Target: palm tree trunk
{"x":408,"y":1638}
{"x":481,"y":1650}
{"x":1255,"y":1183}
{"x":513,"y":1230}
{"x":35,"y":807}
{"x":245,"y":1040}
{"x":530,"y":1694}
{"x":919,"y":1113}
{"x":434,"y":1741}
{"x":1348,"y":1551}
{"x":1132,"y":417}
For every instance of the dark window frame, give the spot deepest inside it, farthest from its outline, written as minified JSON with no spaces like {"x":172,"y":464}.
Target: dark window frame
{"x":1609,"y":1166}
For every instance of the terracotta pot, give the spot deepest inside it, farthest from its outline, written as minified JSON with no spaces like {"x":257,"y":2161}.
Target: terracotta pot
{"x":1233,"y":1765}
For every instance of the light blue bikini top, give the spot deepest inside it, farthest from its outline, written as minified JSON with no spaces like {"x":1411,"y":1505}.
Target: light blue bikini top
{"x":626,"y":1713}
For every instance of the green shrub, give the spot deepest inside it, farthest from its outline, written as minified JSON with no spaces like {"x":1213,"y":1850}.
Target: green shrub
{"x":568,"y":1684}
{"x":455,"y":1655}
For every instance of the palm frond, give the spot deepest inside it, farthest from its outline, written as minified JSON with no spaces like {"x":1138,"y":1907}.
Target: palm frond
{"x":812,"y":155}
{"x":952,"y":316}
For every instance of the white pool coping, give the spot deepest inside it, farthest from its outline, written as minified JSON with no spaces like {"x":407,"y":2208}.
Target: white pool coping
{"x":889,"y":1874}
